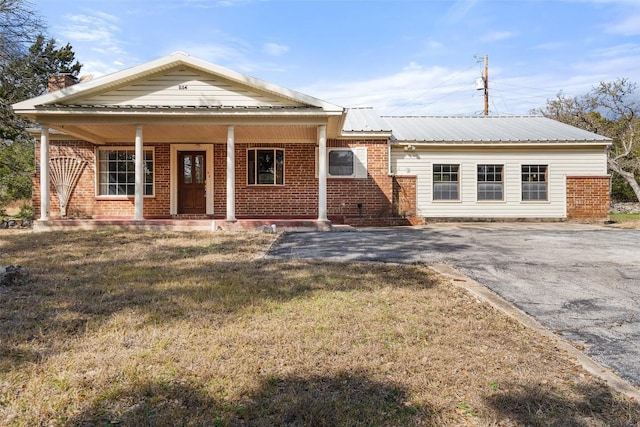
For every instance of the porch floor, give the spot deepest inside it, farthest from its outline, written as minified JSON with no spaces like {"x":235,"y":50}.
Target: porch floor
{"x":270,"y":225}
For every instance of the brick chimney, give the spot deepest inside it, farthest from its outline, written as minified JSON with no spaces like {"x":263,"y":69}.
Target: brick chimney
{"x":61,"y":81}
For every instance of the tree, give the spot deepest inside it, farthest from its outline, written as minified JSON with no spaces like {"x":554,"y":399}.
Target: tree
{"x":611,"y":109}
{"x":27,"y":75}
{"x":23,"y":77}
{"x":18,"y":26}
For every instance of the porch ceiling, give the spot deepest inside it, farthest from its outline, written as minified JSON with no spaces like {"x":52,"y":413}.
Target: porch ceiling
{"x":184,"y":133}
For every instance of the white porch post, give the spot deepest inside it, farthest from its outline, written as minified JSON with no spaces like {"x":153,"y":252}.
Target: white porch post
{"x":139,"y":171}
{"x":231,"y":174}
{"x":44,"y":173}
{"x":322,"y":173}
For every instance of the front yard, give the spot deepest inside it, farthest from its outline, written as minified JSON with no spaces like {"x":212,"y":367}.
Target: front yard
{"x":165,"y":328}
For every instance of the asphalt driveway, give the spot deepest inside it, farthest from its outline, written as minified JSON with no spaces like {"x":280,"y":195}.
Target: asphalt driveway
{"x":583,"y":282}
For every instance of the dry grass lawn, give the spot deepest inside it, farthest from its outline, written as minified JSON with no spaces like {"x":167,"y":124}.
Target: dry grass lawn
{"x":130,"y":328}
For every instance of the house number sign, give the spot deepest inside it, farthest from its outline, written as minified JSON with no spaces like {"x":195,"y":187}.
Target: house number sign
{"x":182,"y":87}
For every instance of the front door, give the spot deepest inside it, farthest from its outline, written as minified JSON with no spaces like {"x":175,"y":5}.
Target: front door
{"x":192,"y":194}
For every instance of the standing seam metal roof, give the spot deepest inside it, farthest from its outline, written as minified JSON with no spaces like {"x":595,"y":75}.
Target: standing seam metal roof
{"x":364,"y":120}
{"x":487,"y":129}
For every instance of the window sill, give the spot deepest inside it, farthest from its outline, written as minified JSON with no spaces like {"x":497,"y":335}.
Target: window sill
{"x":122,"y":197}
{"x":447,"y":201}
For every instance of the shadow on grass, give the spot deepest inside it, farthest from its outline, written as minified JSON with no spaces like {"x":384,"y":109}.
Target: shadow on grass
{"x":80,"y":279}
{"x":542,"y":405}
{"x":343,"y":400}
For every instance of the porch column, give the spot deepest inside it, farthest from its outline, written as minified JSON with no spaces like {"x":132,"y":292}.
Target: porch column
{"x":322,"y":173}
{"x":139,"y":170}
{"x":44,"y":173}
{"x":231,"y":174}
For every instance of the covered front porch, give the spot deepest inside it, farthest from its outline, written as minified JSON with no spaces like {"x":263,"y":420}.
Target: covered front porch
{"x":199,"y":177}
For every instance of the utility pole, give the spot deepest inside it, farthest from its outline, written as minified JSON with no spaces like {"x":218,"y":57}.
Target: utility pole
{"x":486,"y":85}
{"x":482,"y":83}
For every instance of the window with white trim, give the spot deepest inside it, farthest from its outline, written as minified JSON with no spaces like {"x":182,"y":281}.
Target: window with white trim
{"x":490,"y":182}
{"x":534,"y":183}
{"x":265,"y":166}
{"x":345,"y":162}
{"x":341,"y":163}
{"x":446,"y":182}
{"x":116,"y":172}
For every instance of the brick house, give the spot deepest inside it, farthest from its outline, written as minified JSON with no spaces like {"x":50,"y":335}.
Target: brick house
{"x":180,"y":140}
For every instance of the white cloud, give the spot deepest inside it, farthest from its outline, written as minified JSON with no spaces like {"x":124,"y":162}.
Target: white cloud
{"x":86,"y":28}
{"x":629,"y":26}
{"x":625,"y":49}
{"x":412,"y":90}
{"x":274,"y":49}
{"x":209,"y":4}
{"x":95,"y":38}
{"x":551,"y":46}
{"x":417,"y":89}
{"x":495,"y":36}
{"x":460,"y":9}
{"x":413,"y":66}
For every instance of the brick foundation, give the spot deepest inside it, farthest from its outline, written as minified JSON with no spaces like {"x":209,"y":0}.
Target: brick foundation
{"x":588,"y":198}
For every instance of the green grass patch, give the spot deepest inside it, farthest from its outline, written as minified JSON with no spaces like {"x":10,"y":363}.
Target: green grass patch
{"x":619,"y":216}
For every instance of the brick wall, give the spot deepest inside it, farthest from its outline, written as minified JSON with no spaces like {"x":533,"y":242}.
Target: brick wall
{"x":83,"y":202}
{"x":404,"y":196}
{"x":376,"y":200}
{"x":588,"y":198}
{"x":361,"y":201}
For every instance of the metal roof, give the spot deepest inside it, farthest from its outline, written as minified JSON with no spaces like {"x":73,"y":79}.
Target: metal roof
{"x":359,"y":120}
{"x":487,"y":129}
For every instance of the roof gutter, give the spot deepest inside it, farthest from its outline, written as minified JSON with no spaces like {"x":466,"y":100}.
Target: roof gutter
{"x":527,"y":143}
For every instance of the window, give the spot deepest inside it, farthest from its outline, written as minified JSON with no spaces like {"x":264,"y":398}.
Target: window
{"x":116,"y":172}
{"x":341,"y":163}
{"x":265,"y":167}
{"x":446,"y":182}
{"x":490,"y":182}
{"x":345,"y":162}
{"x":534,"y":182}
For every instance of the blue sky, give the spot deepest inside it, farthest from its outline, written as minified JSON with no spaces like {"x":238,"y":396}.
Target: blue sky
{"x":401,"y":57}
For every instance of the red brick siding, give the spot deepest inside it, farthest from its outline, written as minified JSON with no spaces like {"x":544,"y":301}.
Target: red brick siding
{"x":354,"y":200}
{"x":83,"y":202}
{"x":298,"y":197}
{"x":367,"y":201}
{"x":588,"y":198}
{"x":404,"y":196}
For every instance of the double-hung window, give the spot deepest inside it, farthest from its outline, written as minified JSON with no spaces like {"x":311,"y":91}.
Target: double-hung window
{"x":534,"y":182}
{"x":446,"y":182}
{"x":265,"y":166}
{"x":490,"y":182}
{"x":116,"y":172}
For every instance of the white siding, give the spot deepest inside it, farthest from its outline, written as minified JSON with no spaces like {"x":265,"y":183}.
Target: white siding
{"x":562,"y":162}
{"x":188,"y":88}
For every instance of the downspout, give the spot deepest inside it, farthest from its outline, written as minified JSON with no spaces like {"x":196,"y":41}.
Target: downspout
{"x":389,"y":157}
